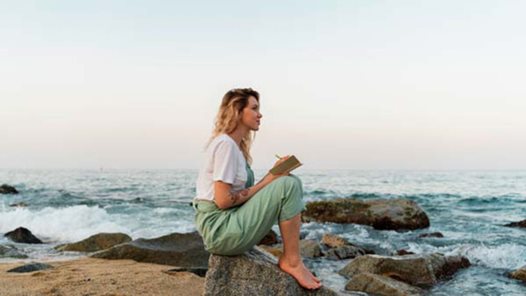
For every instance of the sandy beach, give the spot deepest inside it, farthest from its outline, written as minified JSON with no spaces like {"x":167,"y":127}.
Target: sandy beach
{"x":92,"y":277}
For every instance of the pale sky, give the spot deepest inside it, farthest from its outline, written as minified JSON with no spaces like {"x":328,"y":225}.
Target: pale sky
{"x":344,"y":84}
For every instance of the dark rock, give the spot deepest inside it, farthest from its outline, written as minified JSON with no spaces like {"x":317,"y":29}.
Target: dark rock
{"x":340,"y":248}
{"x":176,"y":249}
{"x":198,"y":271}
{"x":19,"y":205}
{"x":393,"y":214}
{"x":309,"y":249}
{"x":403,"y":252}
{"x":253,"y":273}
{"x":33,"y":266}
{"x":521,"y":224}
{"x":418,"y":270}
{"x":519,"y":274}
{"x":270,"y":239}
{"x":7,"y":189}
{"x":97,"y":242}
{"x":381,"y":285}
{"x":22,"y":235}
{"x":11,"y":252}
{"x":432,"y":234}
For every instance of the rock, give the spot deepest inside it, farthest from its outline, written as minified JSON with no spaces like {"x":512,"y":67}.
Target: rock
{"x":277,"y":252}
{"x":432,"y":234}
{"x":19,"y":205}
{"x":417,"y":270}
{"x":521,"y":224}
{"x":253,"y":273}
{"x":33,"y":266}
{"x":519,"y":274}
{"x":340,"y":248}
{"x":309,"y":248}
{"x":381,"y":285}
{"x":199,"y":271}
{"x":403,"y":252}
{"x":270,"y":239}
{"x":22,"y":235}
{"x":176,"y":249}
{"x":97,"y":242}
{"x":393,"y":214}
{"x":11,"y":252}
{"x":7,"y":189}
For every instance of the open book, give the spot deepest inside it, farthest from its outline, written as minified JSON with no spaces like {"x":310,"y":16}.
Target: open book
{"x":288,"y":165}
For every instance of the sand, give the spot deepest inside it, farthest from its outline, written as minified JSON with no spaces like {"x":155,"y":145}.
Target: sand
{"x":90,"y":276}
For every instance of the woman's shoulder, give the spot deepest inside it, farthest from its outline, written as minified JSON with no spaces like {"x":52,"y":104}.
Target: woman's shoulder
{"x":222,"y":139}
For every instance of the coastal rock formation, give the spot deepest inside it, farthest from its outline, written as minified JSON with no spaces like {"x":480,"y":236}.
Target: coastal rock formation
{"x":339,"y":248}
{"x":519,"y":274}
{"x":10,"y":252}
{"x":392,"y":214}
{"x":253,"y":273}
{"x":308,"y":248}
{"x":418,"y":270}
{"x":381,"y":285}
{"x":30,"y":267}
{"x":22,"y":235}
{"x":97,"y":242}
{"x":7,"y":189}
{"x":431,"y":234}
{"x":176,"y":249}
{"x":521,"y":224}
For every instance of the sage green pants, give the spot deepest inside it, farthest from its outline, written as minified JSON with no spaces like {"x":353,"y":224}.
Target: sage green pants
{"x":235,"y":230}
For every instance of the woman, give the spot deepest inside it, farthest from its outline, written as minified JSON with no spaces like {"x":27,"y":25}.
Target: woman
{"x":232,"y":213}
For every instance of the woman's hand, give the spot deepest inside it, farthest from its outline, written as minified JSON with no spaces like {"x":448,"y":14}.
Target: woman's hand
{"x":271,"y":177}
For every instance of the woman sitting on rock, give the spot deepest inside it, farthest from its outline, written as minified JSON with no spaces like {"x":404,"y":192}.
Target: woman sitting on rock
{"x":232,"y":213}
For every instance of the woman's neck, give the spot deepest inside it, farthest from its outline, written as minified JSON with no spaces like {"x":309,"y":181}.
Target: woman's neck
{"x":238,"y":134}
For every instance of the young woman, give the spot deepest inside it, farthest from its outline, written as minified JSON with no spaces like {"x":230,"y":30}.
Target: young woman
{"x":232,"y":213}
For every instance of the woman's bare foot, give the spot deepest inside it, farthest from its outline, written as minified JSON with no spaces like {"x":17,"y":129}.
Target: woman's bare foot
{"x":302,"y":275}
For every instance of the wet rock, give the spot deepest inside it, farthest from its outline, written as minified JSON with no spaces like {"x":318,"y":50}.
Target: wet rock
{"x":22,"y":235}
{"x":33,"y":266}
{"x":270,"y":239}
{"x":253,"y":273}
{"x":97,"y":242}
{"x":11,"y":252}
{"x":519,"y":274}
{"x":403,"y":252}
{"x":381,"y":285}
{"x":339,"y":248}
{"x":308,"y":248}
{"x":431,"y":234}
{"x":176,"y":249}
{"x":392,"y":214}
{"x":417,"y":270}
{"x":521,"y":224}
{"x":19,"y":205}
{"x":7,"y":189}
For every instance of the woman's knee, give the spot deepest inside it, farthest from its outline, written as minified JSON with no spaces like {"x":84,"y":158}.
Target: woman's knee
{"x":291,"y":180}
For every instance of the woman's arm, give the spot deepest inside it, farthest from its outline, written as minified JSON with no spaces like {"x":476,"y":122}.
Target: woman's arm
{"x":225,"y":198}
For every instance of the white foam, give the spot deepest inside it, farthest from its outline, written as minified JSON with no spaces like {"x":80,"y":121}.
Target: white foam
{"x":509,"y":256}
{"x":62,"y":224}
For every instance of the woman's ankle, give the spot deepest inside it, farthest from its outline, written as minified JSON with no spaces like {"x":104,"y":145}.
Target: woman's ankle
{"x":292,"y":261}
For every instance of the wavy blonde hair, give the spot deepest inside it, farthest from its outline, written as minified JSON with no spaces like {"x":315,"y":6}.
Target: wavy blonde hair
{"x":227,"y":119}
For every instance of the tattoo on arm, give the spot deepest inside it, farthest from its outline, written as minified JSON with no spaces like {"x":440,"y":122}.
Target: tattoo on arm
{"x":235,"y":196}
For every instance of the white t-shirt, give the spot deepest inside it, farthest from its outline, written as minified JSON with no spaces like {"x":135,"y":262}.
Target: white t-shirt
{"x":224,"y":162}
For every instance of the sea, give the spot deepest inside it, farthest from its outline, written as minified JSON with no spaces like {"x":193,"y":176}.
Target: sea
{"x":468,"y":207}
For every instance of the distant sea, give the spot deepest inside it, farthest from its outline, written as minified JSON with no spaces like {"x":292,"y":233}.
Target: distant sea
{"x":467,"y":207}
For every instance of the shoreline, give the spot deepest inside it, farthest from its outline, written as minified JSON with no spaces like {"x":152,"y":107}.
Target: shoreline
{"x":91,"y":276}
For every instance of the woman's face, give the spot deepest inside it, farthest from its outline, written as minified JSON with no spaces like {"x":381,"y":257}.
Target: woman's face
{"x":250,"y":116}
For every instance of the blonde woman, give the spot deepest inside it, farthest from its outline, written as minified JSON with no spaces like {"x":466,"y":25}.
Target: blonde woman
{"x":232,"y":213}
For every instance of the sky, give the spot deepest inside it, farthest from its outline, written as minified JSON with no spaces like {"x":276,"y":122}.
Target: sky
{"x":365,"y":85}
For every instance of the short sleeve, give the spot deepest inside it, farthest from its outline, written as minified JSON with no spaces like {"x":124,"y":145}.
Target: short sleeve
{"x":225,"y":162}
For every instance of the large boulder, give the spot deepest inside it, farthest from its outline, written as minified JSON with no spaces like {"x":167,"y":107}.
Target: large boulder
{"x":417,"y":270}
{"x":30,"y":267}
{"x":381,"y":285}
{"x":97,"y":242}
{"x":22,"y":235}
{"x":521,"y":224}
{"x":519,"y":274}
{"x":253,"y":273}
{"x":11,"y":252}
{"x":393,"y":214}
{"x":7,"y":189}
{"x":176,"y":249}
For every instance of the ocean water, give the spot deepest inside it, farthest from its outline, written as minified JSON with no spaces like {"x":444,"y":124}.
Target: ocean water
{"x":468,"y":207}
